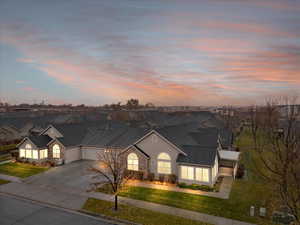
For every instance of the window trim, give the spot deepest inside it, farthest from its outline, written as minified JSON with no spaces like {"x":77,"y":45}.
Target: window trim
{"x":187,"y":170}
{"x":134,"y":165}
{"x":201,"y":177}
{"x":164,"y":161}
{"x":56,"y":152}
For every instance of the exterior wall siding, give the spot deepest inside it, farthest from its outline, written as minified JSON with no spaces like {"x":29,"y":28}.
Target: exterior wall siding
{"x":153,"y":145}
{"x":143,"y":160}
{"x":90,"y":153}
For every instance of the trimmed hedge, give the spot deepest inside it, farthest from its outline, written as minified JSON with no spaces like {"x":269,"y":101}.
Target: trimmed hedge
{"x":137,"y":175}
{"x":196,"y":187}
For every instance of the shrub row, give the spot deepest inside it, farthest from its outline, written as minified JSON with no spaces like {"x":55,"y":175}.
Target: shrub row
{"x":140,"y":175}
{"x":196,"y":187}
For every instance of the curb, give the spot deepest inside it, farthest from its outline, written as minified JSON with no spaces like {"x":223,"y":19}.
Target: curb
{"x":100,"y":217}
{"x":121,"y":221}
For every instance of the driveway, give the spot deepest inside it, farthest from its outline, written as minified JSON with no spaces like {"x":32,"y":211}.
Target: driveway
{"x":21,"y":212}
{"x":73,"y":176}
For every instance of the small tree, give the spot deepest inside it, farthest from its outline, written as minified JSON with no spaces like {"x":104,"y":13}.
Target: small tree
{"x":112,"y":168}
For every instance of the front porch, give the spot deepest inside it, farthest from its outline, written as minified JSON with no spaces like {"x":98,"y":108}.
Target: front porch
{"x":228,"y":163}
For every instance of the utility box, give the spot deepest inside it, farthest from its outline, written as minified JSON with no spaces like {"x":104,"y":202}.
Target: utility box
{"x":252,"y":211}
{"x":262,"y":211}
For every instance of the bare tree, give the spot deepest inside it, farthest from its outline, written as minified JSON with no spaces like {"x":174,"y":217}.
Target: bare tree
{"x":277,"y":150}
{"x":112,"y":168}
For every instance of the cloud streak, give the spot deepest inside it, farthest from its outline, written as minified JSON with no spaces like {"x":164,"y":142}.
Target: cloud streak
{"x":162,"y":57}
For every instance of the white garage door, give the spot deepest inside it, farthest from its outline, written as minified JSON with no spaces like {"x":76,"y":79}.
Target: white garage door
{"x":91,"y":154}
{"x":72,"y":155}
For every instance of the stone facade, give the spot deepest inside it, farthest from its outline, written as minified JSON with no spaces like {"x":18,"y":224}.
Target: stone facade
{"x":50,"y":150}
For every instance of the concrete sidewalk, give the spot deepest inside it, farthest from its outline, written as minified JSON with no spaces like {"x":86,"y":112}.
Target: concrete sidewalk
{"x":10,"y":178}
{"x":73,"y":199}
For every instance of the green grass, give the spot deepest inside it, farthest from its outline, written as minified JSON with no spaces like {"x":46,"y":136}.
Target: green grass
{"x":21,"y":170}
{"x":135,"y":214}
{"x":237,"y":207}
{"x":4,"y":181}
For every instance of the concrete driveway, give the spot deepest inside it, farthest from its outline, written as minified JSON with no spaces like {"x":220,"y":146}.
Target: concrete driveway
{"x":73,"y":176}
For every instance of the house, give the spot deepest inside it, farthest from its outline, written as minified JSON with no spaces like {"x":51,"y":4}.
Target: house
{"x":194,"y":154}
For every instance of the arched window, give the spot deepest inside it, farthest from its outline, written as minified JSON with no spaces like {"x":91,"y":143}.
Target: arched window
{"x":132,"y":162}
{"x":28,"y":146}
{"x":56,"y":151}
{"x":164,"y":163}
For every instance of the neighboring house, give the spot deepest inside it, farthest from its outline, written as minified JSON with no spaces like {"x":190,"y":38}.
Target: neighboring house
{"x":193,"y":154}
{"x":9,"y":133}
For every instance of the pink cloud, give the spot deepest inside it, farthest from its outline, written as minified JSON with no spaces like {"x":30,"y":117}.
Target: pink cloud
{"x":257,"y":29}
{"x":97,"y":78}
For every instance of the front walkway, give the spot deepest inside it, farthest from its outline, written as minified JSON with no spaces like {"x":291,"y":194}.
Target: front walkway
{"x":223,"y":193}
{"x":73,"y":199}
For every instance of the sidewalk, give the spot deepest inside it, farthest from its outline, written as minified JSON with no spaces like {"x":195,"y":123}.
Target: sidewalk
{"x":10,"y":178}
{"x":223,"y":193}
{"x":73,"y":199}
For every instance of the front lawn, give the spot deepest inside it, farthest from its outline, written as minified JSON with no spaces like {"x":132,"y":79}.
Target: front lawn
{"x":4,"y":181}
{"x":134,"y":214}
{"x":21,"y":170}
{"x":237,"y":207}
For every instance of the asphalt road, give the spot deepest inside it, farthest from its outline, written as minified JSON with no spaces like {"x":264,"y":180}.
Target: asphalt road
{"x":21,"y":212}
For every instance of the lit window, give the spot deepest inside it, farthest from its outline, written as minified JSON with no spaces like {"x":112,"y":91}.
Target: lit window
{"x":132,"y":162}
{"x":187,"y":172}
{"x":22,"y":153}
{"x":28,"y":154}
{"x":28,"y":151}
{"x":56,"y":151}
{"x":35,"y":154}
{"x":43,"y":154}
{"x":164,"y":163}
{"x":202,"y":174}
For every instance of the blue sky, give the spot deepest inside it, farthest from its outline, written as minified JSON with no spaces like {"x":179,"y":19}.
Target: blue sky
{"x":192,"y":52}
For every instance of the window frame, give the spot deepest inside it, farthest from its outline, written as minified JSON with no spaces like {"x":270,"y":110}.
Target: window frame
{"x":190,"y":170}
{"x":162,"y":162}
{"x":22,"y":153}
{"x":200,"y":176}
{"x":56,"y":152}
{"x":134,"y":162}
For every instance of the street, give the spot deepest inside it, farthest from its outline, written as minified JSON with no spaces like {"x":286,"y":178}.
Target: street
{"x":22,"y":212}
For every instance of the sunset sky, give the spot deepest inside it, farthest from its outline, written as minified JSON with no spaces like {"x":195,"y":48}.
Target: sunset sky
{"x":169,"y":52}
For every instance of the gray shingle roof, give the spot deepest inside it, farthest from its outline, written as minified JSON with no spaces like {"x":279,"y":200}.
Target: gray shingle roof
{"x":40,"y":141}
{"x":198,"y":155}
{"x":199,"y":144}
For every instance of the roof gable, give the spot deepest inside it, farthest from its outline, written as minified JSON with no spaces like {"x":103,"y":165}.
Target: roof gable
{"x":161,"y":137}
{"x":52,"y":132}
